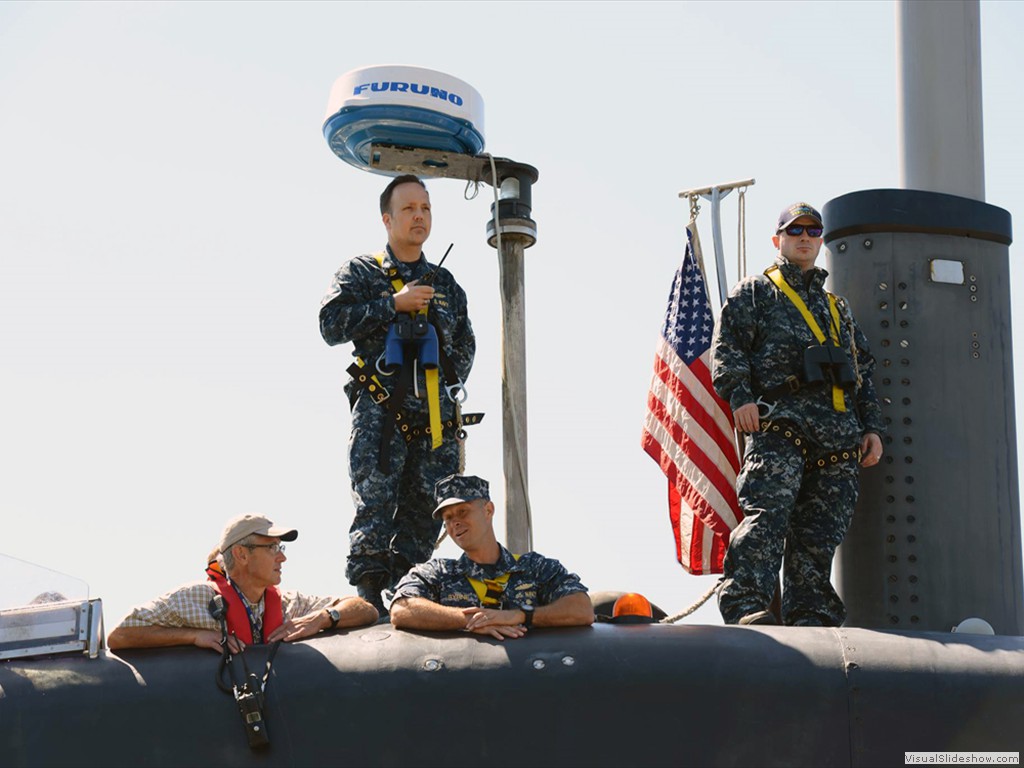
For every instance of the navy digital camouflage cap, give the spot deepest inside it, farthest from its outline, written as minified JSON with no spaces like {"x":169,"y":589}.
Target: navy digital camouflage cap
{"x":793,"y":212}
{"x":456,"y":489}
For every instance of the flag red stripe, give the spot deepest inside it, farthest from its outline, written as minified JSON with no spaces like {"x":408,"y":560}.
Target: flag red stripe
{"x":694,"y":500}
{"x":700,"y":371}
{"x":695,"y":409}
{"x":725,"y":486}
{"x":673,"y":516}
{"x":705,"y":554}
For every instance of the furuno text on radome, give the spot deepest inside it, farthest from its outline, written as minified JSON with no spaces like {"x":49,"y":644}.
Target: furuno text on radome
{"x":397,"y":87}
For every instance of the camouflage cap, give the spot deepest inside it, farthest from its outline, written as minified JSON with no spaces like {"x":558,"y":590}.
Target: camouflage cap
{"x":455,"y":489}
{"x":239,"y":527}
{"x":793,"y":212}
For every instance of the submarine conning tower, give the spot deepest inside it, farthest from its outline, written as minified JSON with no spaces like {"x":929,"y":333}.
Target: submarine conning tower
{"x":936,"y":537}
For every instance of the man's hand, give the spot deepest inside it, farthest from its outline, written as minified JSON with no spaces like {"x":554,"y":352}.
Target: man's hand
{"x":747,"y":419}
{"x":209,"y":638}
{"x":496,"y":623}
{"x":501,"y":632}
{"x":304,"y":626}
{"x":870,"y":450}
{"x":413,"y":297}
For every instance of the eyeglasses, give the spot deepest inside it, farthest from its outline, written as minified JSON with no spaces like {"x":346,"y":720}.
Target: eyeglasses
{"x":795,"y":230}
{"x":274,"y":548}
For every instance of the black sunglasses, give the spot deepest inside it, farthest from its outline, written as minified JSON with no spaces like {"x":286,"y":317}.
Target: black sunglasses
{"x":795,"y":230}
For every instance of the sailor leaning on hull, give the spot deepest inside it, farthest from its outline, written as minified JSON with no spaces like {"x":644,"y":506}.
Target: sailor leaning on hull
{"x":488,"y":591}
{"x":794,"y":367}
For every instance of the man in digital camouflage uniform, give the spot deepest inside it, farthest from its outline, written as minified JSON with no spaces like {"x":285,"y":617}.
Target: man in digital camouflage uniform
{"x":487,"y":591}
{"x":805,"y":398}
{"x":395,"y":456}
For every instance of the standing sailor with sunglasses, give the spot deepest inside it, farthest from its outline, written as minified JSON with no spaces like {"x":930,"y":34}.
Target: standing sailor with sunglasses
{"x":794,"y":367}
{"x":246,"y":575}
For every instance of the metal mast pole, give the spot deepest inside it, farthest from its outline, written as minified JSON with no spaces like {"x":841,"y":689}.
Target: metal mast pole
{"x":516,"y":232}
{"x":939,"y":120}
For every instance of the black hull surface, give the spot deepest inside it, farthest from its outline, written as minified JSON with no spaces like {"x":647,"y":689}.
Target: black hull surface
{"x":603,"y":696}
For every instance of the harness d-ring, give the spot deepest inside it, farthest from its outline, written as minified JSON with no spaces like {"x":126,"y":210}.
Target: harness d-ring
{"x":768,"y":408}
{"x":461,"y":392}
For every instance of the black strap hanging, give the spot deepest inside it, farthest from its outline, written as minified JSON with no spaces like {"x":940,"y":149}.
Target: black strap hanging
{"x":249,"y":692}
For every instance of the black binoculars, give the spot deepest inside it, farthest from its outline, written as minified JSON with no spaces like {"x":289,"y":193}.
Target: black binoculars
{"x":821,"y":361}
{"x":415,"y":335}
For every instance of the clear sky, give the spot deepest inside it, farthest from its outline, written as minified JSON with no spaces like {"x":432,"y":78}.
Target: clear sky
{"x":170,"y":217}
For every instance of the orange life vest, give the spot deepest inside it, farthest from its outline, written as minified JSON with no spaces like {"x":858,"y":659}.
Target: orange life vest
{"x":238,"y":615}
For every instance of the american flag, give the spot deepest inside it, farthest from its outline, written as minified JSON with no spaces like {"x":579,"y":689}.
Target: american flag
{"x":689,"y":428}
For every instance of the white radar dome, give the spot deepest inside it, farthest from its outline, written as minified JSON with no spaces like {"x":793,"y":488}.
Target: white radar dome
{"x":404,"y":106}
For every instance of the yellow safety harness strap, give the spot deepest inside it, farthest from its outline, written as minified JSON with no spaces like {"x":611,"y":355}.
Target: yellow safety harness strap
{"x":396,"y":281}
{"x":364,"y":377}
{"x":434,"y":408}
{"x":775,"y":275}
{"x":490,"y":590}
{"x":433,"y":383}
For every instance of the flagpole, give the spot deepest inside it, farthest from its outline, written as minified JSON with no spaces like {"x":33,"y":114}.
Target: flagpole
{"x":715,"y":194}
{"x":698,"y":257}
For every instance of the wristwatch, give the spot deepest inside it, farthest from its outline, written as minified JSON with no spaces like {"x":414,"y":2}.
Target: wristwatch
{"x":528,"y":614}
{"x":334,"y":616}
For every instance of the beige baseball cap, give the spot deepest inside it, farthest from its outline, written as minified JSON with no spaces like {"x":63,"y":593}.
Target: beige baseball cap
{"x":246,"y":525}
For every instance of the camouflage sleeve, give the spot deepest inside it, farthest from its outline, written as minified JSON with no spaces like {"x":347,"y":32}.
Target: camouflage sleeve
{"x":463,"y":340}
{"x":868,"y":407}
{"x":354,"y":307}
{"x":421,"y":581}
{"x":731,"y":347}
{"x":553,"y":580}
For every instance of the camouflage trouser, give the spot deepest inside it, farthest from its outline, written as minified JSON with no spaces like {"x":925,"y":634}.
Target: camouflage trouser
{"x":393,"y":527}
{"x":803,"y":517}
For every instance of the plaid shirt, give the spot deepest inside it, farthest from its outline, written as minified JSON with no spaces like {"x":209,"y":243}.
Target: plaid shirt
{"x":188,"y":606}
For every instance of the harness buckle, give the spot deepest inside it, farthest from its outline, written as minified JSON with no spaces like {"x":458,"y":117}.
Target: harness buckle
{"x":793,"y":382}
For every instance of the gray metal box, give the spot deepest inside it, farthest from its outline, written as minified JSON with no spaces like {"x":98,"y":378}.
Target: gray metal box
{"x":73,"y":626}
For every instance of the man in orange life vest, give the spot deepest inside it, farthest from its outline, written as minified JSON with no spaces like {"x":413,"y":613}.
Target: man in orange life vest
{"x":252,"y":556}
{"x":487,"y":591}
